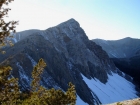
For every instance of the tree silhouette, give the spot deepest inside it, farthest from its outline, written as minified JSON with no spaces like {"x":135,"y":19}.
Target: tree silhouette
{"x":6,"y":27}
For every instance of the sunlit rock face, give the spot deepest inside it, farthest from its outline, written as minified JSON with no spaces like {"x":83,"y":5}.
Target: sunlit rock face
{"x":70,"y":57}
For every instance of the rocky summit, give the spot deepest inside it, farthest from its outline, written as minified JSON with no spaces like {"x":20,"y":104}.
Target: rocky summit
{"x":70,"y":57}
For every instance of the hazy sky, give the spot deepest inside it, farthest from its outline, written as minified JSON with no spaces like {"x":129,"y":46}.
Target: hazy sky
{"x":105,"y":19}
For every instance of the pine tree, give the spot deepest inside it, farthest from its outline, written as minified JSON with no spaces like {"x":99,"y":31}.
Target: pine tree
{"x":5,"y":27}
{"x":10,"y":93}
{"x":42,"y":96}
{"x":9,"y":89}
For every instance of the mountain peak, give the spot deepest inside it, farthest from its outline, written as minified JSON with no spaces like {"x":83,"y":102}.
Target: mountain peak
{"x":70,"y":23}
{"x":128,"y":38}
{"x":72,"y":20}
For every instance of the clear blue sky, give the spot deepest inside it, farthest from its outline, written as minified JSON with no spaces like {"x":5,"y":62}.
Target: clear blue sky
{"x":105,"y":19}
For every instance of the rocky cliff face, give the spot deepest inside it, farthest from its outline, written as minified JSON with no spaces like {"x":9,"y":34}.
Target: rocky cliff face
{"x":125,"y":54}
{"x":70,"y":57}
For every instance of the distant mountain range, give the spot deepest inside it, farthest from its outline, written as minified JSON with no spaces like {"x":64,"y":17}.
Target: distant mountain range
{"x":125,"y":53}
{"x":70,"y":57}
{"x":123,"y":48}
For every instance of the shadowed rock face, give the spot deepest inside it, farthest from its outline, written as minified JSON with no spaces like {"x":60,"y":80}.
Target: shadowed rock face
{"x":123,"y":48}
{"x":68,"y":54}
{"x":125,"y":54}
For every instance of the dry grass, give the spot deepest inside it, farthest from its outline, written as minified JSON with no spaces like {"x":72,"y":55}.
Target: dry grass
{"x":128,"y":102}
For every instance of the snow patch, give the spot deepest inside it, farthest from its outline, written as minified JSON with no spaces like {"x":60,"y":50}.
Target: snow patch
{"x":56,"y":48}
{"x":47,"y":79}
{"x":124,"y":55}
{"x":116,"y":89}
{"x":79,"y":101}
{"x":32,"y":60}
{"x":123,"y":74}
{"x":22,"y":72}
{"x":15,"y":40}
{"x":114,"y":55}
{"x":70,"y":65}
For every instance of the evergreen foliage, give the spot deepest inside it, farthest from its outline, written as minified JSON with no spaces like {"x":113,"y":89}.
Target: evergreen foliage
{"x":9,"y":90}
{"x":5,"y":27}
{"x":10,"y":93}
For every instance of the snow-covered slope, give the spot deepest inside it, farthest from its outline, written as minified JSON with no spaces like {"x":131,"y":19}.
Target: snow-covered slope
{"x":79,"y":101}
{"x":116,"y":89}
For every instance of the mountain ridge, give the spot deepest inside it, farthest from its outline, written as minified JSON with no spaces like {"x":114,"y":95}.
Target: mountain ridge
{"x":123,"y":48}
{"x":70,"y":57}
